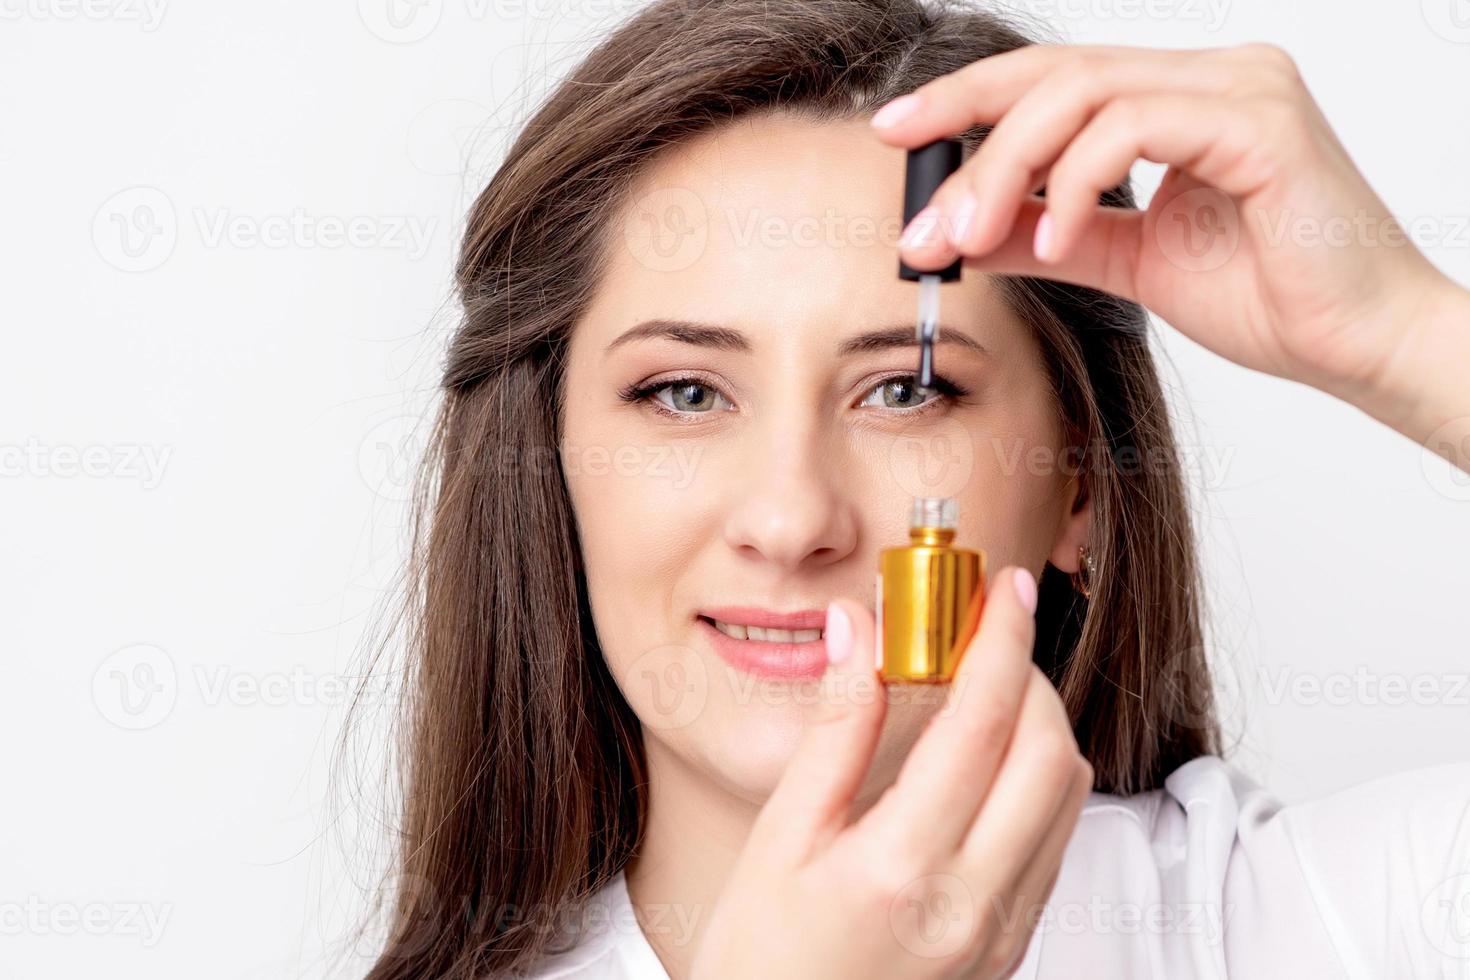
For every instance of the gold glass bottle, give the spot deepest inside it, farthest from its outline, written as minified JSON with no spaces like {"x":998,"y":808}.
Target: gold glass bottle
{"x":929,"y":597}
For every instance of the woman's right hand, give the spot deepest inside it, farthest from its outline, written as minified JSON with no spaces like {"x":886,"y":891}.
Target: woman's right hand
{"x":942,"y":876}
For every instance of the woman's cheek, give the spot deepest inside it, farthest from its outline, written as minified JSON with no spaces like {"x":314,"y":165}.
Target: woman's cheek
{"x":1009,"y":505}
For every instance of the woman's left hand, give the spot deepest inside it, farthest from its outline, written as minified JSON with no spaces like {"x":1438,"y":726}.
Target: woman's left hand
{"x":1263,"y":243}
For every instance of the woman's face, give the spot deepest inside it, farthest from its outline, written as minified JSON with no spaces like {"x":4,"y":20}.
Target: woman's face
{"x":740,"y":432}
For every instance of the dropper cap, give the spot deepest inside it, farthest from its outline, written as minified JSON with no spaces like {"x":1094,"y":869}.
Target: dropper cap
{"x":929,"y":166}
{"x":940,"y":512}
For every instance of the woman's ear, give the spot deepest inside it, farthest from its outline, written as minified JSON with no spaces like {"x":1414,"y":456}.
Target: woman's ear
{"x":1075,"y":529}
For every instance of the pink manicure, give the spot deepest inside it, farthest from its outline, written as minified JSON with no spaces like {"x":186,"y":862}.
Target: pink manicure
{"x":896,"y":111}
{"x":1026,"y":589}
{"x":1042,"y":244}
{"x":838,"y":634}
{"x":921,"y":228}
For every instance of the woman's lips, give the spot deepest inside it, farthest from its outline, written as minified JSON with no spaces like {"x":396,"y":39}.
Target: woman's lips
{"x":764,"y":658}
{"x":801,"y":619}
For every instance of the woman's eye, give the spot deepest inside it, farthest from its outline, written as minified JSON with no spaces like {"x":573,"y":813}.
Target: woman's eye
{"x":688,"y":396}
{"x":695,"y":396}
{"x":900,"y":392}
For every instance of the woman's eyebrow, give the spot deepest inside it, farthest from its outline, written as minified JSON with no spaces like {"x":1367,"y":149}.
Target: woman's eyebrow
{"x":688,"y":332}
{"x":904,"y":336}
{"x":726,"y":338}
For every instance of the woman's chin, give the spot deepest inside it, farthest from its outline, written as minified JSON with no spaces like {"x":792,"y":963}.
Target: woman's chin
{"x":752,"y":748}
{"x":744,"y":736}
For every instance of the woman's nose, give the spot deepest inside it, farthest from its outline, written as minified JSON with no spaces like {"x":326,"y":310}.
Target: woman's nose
{"x":790,"y":507}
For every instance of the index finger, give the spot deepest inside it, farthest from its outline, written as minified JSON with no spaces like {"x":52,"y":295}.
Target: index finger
{"x":983,"y":91}
{"x":839,"y":735}
{"x":949,"y":770}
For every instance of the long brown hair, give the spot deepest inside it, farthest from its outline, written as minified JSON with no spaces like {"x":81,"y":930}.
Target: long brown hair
{"x":523,"y":769}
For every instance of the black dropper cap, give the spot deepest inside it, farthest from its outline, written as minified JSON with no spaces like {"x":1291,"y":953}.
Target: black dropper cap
{"x":928,"y":167}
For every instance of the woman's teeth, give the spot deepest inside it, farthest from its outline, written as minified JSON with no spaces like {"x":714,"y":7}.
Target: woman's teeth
{"x":740,"y":632}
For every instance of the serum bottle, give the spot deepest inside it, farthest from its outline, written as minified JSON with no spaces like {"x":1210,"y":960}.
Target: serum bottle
{"x":929,"y":598}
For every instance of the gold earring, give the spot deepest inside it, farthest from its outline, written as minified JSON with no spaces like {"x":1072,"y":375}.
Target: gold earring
{"x":1082,"y":579}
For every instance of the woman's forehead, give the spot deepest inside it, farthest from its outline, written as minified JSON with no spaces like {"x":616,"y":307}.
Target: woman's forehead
{"x":774,"y":220}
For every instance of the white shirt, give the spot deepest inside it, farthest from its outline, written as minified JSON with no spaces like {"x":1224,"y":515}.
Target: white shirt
{"x":1211,"y":876}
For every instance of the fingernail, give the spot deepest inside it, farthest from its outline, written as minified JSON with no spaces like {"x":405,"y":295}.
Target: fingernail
{"x":1041,"y":245}
{"x":960,"y":218}
{"x":838,"y":634}
{"x":921,"y":228}
{"x":1025,"y":585}
{"x":896,"y":111}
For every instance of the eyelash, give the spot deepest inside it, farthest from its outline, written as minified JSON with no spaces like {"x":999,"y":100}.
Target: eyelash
{"x":948,"y":391}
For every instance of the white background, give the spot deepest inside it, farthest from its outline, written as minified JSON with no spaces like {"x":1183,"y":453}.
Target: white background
{"x":206,"y":432}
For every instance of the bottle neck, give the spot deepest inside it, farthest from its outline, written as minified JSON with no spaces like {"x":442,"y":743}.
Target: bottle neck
{"x":931,"y":536}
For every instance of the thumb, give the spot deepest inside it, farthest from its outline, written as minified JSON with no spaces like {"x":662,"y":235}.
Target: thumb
{"x":839,"y":733}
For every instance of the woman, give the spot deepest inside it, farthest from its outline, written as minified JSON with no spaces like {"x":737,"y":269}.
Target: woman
{"x":680,"y":412}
